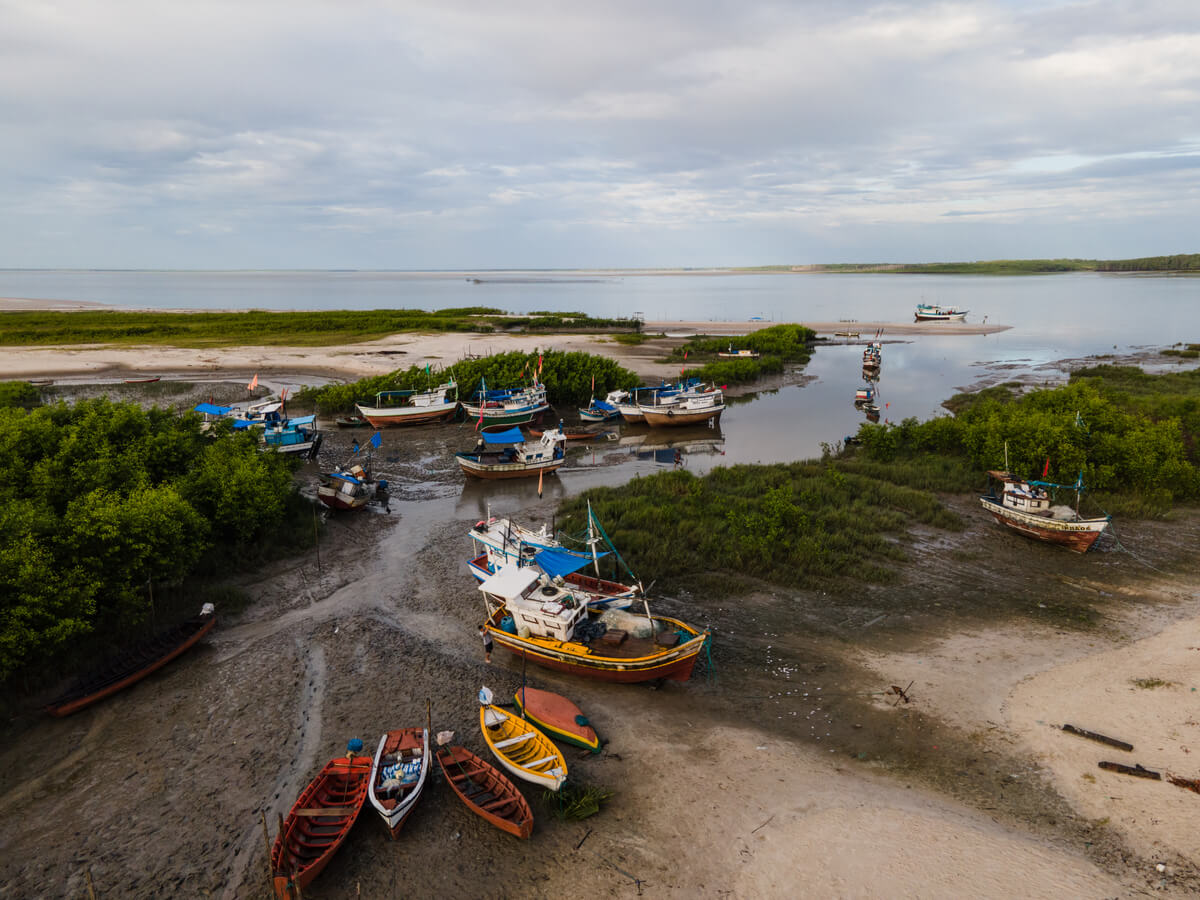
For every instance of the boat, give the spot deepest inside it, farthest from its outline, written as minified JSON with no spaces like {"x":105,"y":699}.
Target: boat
{"x":519,"y":746}
{"x":738,"y":354}
{"x":411,"y":407}
{"x":319,"y":821}
{"x":630,"y":408}
{"x":847,"y":334}
{"x":557,"y":717}
{"x":864,"y":395}
{"x":134,"y":664}
{"x":686,"y":409}
{"x":292,"y":436}
{"x":486,"y":791}
{"x":1027,"y":507}
{"x":351,"y":422}
{"x":350,"y":488}
{"x":398,"y":775}
{"x":576,"y":434}
{"x":604,"y":410}
{"x":506,"y":407}
{"x":151,"y":380}
{"x":520,"y":459}
{"x":500,"y":542}
{"x":928,"y":312}
{"x":529,"y":615}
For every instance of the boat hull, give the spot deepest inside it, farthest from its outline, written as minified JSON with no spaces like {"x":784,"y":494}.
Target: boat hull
{"x":557,"y":717}
{"x":401,"y":415}
{"x":677,"y":418}
{"x":516,"y":417}
{"x":522,"y":749}
{"x":410,"y":745}
{"x":190,"y":633}
{"x":1078,"y":536}
{"x":476,"y":468}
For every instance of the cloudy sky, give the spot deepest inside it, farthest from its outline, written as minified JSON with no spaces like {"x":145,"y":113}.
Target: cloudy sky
{"x":620,"y":133}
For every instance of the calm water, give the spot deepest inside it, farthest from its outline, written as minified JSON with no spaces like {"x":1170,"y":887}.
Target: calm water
{"x":1052,"y":317}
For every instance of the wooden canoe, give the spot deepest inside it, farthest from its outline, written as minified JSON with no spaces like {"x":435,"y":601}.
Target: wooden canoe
{"x":398,"y":775}
{"x":132,"y":666}
{"x":318,"y":823}
{"x":486,"y":791}
{"x":557,"y":717}
{"x":521,"y":748}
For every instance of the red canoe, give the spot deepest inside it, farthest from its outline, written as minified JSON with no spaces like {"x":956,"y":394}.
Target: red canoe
{"x":318,"y":823}
{"x":486,"y":792}
{"x":557,"y":717}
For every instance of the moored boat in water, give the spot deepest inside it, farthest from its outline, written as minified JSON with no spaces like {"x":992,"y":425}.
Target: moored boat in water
{"x":1027,"y":507}
{"x":134,"y":664}
{"x":929,"y":312}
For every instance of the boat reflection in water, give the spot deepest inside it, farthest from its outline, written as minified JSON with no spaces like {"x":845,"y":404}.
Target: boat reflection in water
{"x":673,"y":447}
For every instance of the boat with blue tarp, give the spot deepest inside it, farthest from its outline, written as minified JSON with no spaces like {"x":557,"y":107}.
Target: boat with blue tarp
{"x":517,"y":458}
{"x":515,"y":406}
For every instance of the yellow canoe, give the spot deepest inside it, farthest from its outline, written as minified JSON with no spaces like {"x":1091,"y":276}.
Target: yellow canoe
{"x":521,"y":748}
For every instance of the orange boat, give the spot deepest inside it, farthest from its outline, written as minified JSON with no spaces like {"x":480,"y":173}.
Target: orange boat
{"x":485,"y":791}
{"x":557,"y":717}
{"x":319,"y":822}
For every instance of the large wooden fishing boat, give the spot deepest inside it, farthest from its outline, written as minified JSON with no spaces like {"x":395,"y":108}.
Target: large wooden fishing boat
{"x":134,"y":664}
{"x":1026,"y":507}
{"x":351,"y":488}
{"x":928,"y":312}
{"x":557,"y":717}
{"x":485,"y":791}
{"x":520,"y":747}
{"x":686,"y":409}
{"x":318,"y":823}
{"x":411,"y":407}
{"x":531,"y":616}
{"x":631,"y":407}
{"x":398,"y":775}
{"x":520,"y":459}
{"x":298,"y":436}
{"x":506,"y":407}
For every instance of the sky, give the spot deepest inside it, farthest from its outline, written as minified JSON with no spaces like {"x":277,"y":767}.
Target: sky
{"x":626,"y":133}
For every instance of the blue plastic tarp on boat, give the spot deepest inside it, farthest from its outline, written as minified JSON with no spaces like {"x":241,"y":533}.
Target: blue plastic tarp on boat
{"x":607,"y":407}
{"x":212,"y":409}
{"x":562,"y":562}
{"x":511,"y":436}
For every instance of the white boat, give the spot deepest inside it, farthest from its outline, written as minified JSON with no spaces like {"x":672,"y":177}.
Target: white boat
{"x":411,"y":407}
{"x":1027,"y":507}
{"x":520,"y":459}
{"x":398,"y":775}
{"x":928,"y":312}
{"x":506,"y":407}
{"x":686,"y":409}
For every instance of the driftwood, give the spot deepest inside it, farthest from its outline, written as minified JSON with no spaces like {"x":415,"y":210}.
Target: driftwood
{"x":1139,"y":770}
{"x":1191,"y":784}
{"x":1093,"y":736}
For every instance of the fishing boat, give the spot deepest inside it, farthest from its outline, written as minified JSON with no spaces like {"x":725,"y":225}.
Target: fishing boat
{"x":1027,"y":507}
{"x":928,"y":312}
{"x":871,"y":411}
{"x":134,"y":664}
{"x":486,"y":791}
{"x":296,"y":436}
{"x":686,"y":409}
{"x":351,"y":422}
{"x":319,"y":821}
{"x":847,"y":334}
{"x":864,"y":395}
{"x":531,"y":616}
{"x":738,"y":354}
{"x":506,"y":407}
{"x":630,"y":408}
{"x":350,"y":488}
{"x":501,"y":542}
{"x":411,"y":407}
{"x":519,"y":746}
{"x":398,"y":775}
{"x":518,"y":459}
{"x":557,"y":717}
{"x":604,"y":410}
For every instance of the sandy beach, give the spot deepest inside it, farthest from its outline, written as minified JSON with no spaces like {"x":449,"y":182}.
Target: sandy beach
{"x":794,"y":769}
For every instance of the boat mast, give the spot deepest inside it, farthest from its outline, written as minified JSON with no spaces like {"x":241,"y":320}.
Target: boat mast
{"x":592,"y":538}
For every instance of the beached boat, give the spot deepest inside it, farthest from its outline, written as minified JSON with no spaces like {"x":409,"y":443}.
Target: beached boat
{"x":318,"y":822}
{"x":738,"y":354}
{"x":134,"y":664}
{"x":687,"y":409}
{"x":557,"y":717}
{"x":486,"y":791}
{"x":506,"y":407}
{"x":350,"y":488}
{"x":546,"y":624}
{"x":847,"y":334}
{"x":151,"y":380}
{"x":500,"y":542}
{"x":518,"y":459}
{"x":1028,"y":508}
{"x":398,"y":775}
{"x":630,"y":408}
{"x":411,"y":407}
{"x":928,"y":312}
{"x":519,"y":746}
{"x":351,"y":422}
{"x":604,"y":410}
{"x":296,"y":436}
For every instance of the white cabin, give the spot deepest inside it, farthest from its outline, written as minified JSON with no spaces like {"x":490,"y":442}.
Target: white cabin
{"x":537,"y":605}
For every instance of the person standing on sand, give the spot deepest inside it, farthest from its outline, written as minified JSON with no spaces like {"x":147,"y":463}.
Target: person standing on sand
{"x":487,"y":643}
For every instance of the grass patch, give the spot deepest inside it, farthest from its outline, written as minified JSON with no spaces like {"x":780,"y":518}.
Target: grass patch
{"x":576,"y":801}
{"x":1149,"y":684}
{"x":777,"y":345}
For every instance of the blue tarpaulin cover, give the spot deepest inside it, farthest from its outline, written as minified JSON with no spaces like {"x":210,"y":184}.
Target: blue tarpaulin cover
{"x":607,"y":407}
{"x":562,"y":562}
{"x":212,"y":410}
{"x":511,"y":436}
{"x":349,"y":478}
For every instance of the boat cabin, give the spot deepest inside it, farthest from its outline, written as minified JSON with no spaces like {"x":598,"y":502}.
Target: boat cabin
{"x":537,"y":605}
{"x":1022,"y":496}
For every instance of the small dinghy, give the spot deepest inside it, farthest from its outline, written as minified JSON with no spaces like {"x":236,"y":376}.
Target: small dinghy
{"x":520,"y":748}
{"x":319,"y":822}
{"x":486,"y":791}
{"x":557,"y":717}
{"x":398,"y":775}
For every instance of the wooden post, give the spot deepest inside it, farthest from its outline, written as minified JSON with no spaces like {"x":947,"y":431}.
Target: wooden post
{"x":267,"y":841}
{"x":317,"y":538}
{"x":91,"y":888}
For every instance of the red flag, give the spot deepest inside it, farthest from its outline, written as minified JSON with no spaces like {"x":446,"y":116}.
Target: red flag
{"x":539,"y":364}
{"x":283,"y":395}
{"x":685,"y":354}
{"x":1046,"y":468}
{"x":886,"y":405}
{"x":253,"y":382}
{"x":480,"y":422}
{"x":593,"y":384}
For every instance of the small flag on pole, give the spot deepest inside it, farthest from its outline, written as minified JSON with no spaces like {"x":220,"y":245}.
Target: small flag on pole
{"x":540,"y":473}
{"x":1046,"y":468}
{"x":253,"y":382}
{"x":479,"y":424}
{"x":377,"y":440}
{"x":593,"y":384}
